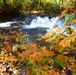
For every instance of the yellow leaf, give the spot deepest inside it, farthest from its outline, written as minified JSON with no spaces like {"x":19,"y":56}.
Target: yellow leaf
{"x":36,"y":56}
{"x":74,"y":21}
{"x":65,"y":42}
{"x":49,"y":33}
{"x":72,"y":37}
{"x":44,"y":73}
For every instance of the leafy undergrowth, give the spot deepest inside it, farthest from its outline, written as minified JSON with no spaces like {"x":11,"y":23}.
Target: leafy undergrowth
{"x":51,"y":54}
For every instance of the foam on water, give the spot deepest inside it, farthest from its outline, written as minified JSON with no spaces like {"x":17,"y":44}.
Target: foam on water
{"x":42,"y":22}
{"x":6,"y":24}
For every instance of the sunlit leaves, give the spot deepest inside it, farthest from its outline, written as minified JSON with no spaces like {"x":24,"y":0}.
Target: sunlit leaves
{"x":23,"y":46}
{"x":24,"y":54}
{"x":48,"y":34}
{"x":74,"y":21}
{"x":69,"y":16}
{"x":36,"y":56}
{"x":65,"y":43}
{"x":72,"y":37}
{"x":42,"y":60}
{"x":45,"y":52}
{"x":5,"y":58}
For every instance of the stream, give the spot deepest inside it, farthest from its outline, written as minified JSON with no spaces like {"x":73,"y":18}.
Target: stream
{"x":37,"y":24}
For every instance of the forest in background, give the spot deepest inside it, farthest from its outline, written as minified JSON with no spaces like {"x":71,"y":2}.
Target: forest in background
{"x":42,"y":6}
{"x":10,"y":9}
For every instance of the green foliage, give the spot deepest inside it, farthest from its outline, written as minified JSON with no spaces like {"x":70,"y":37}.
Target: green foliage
{"x":69,"y":30}
{"x":69,"y":16}
{"x":29,"y":5}
{"x":60,"y":63}
{"x":42,"y":60}
{"x":32,"y":72}
{"x":45,"y":69}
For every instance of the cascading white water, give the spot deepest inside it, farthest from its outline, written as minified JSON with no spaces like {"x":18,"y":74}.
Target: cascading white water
{"x":42,"y":22}
{"x":46,"y":23}
{"x":6,"y":24}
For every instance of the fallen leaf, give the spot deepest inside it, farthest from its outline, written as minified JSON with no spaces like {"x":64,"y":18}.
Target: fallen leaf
{"x":55,"y":26}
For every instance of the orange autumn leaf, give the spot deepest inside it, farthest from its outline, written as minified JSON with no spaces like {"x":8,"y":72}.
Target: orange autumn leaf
{"x":24,"y":54}
{"x":65,"y":42}
{"x":44,"y":73}
{"x":33,"y":48}
{"x":72,"y":37}
{"x":32,"y":45}
{"x":36,"y":56}
{"x":50,"y":72}
{"x":45,"y":52}
{"x":55,"y":26}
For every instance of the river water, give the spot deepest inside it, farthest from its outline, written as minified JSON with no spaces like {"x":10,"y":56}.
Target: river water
{"x":36,"y":25}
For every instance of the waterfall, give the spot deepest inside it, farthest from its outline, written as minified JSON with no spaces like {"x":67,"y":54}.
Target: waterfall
{"x":37,"y":21}
{"x":42,"y":22}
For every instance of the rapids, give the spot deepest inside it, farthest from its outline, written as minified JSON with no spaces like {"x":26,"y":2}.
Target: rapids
{"x":36,"y":25}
